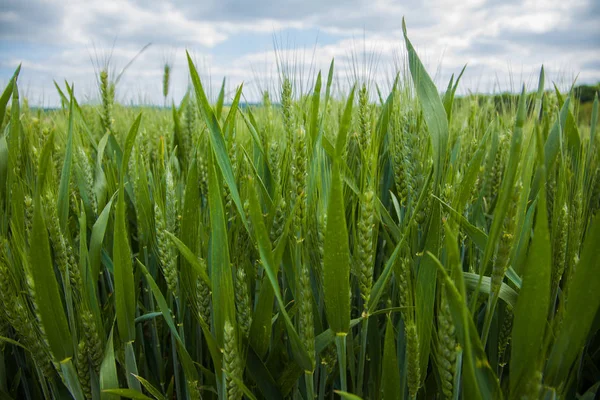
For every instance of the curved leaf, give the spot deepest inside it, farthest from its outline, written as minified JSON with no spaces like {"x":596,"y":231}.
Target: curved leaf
{"x":433,"y":108}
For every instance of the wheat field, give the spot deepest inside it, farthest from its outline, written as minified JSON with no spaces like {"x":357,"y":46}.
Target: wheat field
{"x":379,"y":245}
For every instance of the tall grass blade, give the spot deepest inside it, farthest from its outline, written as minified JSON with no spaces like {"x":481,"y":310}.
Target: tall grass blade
{"x":581,"y":309}
{"x":65,"y":177}
{"x":433,"y":108}
{"x":125,"y":302}
{"x":336,"y":263}
{"x":220,"y":264}
{"x":533,"y":304}
{"x":47,"y":293}
{"x":216,"y":140}
{"x":390,"y":374}
{"x":8,"y":91}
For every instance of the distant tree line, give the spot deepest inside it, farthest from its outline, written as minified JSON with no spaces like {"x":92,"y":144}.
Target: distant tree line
{"x":586,"y":93}
{"x":502,"y":102}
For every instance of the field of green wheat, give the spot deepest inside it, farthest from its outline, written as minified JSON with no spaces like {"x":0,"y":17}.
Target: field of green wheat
{"x":373,"y":244}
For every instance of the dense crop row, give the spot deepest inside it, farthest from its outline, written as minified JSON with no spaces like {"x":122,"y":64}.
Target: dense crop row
{"x":407,"y":248}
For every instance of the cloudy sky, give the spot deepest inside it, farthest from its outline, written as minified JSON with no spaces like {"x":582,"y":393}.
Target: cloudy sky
{"x":503,"y":42}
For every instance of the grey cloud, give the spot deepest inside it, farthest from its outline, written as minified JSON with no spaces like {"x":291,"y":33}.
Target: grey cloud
{"x":347,"y":17}
{"x":233,"y":10}
{"x":457,"y":31}
{"x":37,"y":21}
{"x":578,"y":29}
{"x":498,"y":3}
{"x":590,"y":12}
{"x":571,"y":38}
{"x":593,"y":65}
{"x":109,"y":28}
{"x":41,"y":21}
{"x":106,"y":26}
{"x":375,"y":21}
{"x":486,"y":47}
{"x":66,"y":23}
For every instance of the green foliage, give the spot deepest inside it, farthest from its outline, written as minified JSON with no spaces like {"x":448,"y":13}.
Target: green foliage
{"x":425,"y":246}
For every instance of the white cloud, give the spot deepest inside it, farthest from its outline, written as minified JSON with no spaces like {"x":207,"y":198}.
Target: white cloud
{"x":503,"y":41}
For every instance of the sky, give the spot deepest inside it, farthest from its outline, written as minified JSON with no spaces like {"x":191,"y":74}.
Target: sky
{"x":503,"y":43}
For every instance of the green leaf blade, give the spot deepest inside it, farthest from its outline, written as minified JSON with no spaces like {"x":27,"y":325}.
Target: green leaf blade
{"x":581,"y":309}
{"x":220,"y":265}
{"x":47,"y":294}
{"x":532,"y":305}
{"x":433,"y":108}
{"x":125,"y":300}
{"x":336,"y":263}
